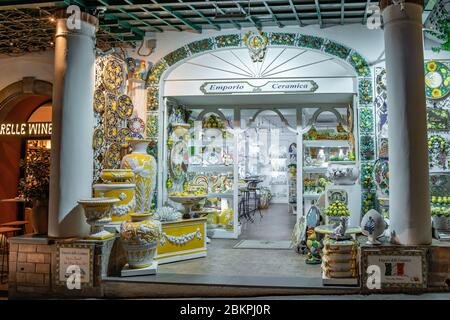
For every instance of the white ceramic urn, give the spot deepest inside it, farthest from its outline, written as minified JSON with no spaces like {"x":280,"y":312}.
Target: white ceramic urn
{"x":343,"y":172}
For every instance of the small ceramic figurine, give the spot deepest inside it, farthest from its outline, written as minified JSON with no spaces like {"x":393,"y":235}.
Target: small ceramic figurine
{"x":373,"y":226}
{"x":314,"y":254}
{"x":340,"y":230}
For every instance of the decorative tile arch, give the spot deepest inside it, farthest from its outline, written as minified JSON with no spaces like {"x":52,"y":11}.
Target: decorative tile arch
{"x":366,"y":125}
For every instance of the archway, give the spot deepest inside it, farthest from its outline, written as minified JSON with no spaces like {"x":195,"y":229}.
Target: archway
{"x":18,"y":101}
{"x":364,"y":121}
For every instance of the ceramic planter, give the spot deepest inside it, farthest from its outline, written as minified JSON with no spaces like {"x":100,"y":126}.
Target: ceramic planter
{"x":126,"y":195}
{"x":343,"y":172}
{"x":440,"y":222}
{"x":144,"y":168}
{"x":39,"y":217}
{"x":140,"y":239}
{"x":98,"y":214}
{"x":125,"y":176}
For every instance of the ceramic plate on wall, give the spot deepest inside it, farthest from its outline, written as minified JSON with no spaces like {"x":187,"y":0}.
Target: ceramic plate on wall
{"x":99,"y":101}
{"x":136,"y":125}
{"x":437,"y":78}
{"x":112,"y":156}
{"x":98,"y":139}
{"x":124,"y":107}
{"x":113,"y":75}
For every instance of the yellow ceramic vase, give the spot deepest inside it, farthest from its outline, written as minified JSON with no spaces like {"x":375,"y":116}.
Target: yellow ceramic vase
{"x":144,"y":169}
{"x":140,"y":239}
{"x":124,"y":192}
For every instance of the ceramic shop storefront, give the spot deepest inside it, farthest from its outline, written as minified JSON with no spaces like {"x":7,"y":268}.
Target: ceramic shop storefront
{"x":192,"y":126}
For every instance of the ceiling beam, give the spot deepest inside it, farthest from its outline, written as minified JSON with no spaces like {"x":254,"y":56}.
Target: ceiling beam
{"x":318,"y":13}
{"x":215,"y":26}
{"x":296,"y":14}
{"x":179,"y":17}
{"x":274,"y":17}
{"x":256,"y":24}
{"x":237,"y":25}
{"x":154,"y":15}
{"x":125,"y":24}
{"x":342,"y":11}
{"x":366,"y":12}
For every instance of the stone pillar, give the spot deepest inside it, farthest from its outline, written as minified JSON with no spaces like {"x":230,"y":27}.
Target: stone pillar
{"x":409,"y":203}
{"x":73,"y":118}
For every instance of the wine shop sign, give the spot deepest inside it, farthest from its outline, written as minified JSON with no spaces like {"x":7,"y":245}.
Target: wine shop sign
{"x":28,"y":129}
{"x":288,"y":86}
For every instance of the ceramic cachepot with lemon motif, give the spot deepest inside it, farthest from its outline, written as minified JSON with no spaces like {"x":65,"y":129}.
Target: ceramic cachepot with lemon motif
{"x":124,"y":192}
{"x":98,"y":214}
{"x":123,"y":176}
{"x":144,"y":169}
{"x":140,"y":239}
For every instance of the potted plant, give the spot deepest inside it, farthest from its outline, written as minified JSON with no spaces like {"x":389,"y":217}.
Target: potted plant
{"x":35,"y":186}
{"x":440,"y":217}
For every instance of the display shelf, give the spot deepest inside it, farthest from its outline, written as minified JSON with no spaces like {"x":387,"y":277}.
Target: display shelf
{"x":311,"y":196}
{"x":220,"y":195}
{"x":326,"y":143}
{"x":211,"y":168}
{"x":315,"y":169}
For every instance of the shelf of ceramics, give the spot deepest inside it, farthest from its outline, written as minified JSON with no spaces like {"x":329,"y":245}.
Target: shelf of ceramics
{"x":182,"y":240}
{"x":315,"y":169}
{"x":211,"y":168}
{"x":326,"y":143}
{"x":220,"y":195}
{"x":439,"y":171}
{"x":311,"y":196}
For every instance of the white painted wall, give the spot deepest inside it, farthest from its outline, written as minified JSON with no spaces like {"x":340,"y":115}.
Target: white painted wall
{"x":38,"y":65}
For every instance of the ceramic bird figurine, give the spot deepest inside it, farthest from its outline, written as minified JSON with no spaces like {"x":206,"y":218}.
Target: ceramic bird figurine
{"x":340,"y":230}
{"x":314,"y":248}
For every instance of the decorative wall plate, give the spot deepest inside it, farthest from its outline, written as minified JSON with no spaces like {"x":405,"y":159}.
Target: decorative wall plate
{"x":113,"y":75}
{"x":112,"y":156}
{"x":437,"y":78}
{"x":123,"y":133}
{"x":98,"y":138}
{"x":112,"y":133}
{"x":124,"y":106}
{"x":179,"y":159}
{"x":136,"y":125}
{"x":99,"y":101}
{"x":110,"y":119}
{"x":212,"y":155}
{"x":111,"y":102}
{"x":201,"y":180}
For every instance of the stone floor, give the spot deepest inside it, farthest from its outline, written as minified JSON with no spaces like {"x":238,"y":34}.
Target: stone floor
{"x":224,"y":260}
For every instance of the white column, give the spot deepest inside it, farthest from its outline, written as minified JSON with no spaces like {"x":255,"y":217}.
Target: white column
{"x":409,"y":204}
{"x":73,"y":118}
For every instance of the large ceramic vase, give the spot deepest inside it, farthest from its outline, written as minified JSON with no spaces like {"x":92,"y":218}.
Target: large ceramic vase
{"x":39,"y":216}
{"x":140,"y":239}
{"x":343,"y":172}
{"x":118,"y":184}
{"x":144,"y":168}
{"x":98,"y":214}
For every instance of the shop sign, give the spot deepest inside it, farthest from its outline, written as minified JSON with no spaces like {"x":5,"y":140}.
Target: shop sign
{"x":75,"y":264}
{"x":32,"y":129}
{"x":288,"y":86}
{"x":394,"y":269}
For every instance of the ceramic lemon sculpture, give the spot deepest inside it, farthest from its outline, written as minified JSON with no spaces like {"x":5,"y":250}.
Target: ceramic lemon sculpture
{"x":144,"y":168}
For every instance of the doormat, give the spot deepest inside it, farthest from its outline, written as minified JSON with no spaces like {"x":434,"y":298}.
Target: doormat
{"x":264,"y":244}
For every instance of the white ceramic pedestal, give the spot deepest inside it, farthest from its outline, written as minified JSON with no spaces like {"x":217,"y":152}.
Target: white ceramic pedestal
{"x":354,"y":201}
{"x":150,"y":270}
